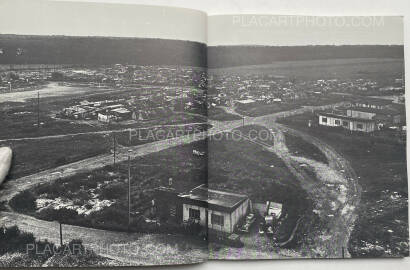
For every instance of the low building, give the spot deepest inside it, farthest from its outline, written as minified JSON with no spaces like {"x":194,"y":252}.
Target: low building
{"x":121,"y":113}
{"x":106,"y":117}
{"x":374,"y":103}
{"x":347,"y":122}
{"x":216,"y":210}
{"x":384,"y":116}
{"x":244,"y":103}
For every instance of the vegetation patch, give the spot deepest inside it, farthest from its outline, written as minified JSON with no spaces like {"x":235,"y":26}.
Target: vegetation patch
{"x":21,"y":249}
{"x":221,"y":115}
{"x":264,"y":109}
{"x":299,"y":147}
{"x":99,"y":199}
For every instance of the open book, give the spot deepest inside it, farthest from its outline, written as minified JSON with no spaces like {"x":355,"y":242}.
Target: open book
{"x":146,"y":135}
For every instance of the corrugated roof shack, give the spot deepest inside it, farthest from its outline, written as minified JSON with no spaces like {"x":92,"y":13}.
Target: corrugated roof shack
{"x":168,"y":205}
{"x":220,"y":211}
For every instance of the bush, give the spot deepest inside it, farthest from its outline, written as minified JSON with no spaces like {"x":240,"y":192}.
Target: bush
{"x":14,"y":240}
{"x":14,"y":252}
{"x":24,"y":201}
{"x":113,"y":191}
{"x":62,"y":215}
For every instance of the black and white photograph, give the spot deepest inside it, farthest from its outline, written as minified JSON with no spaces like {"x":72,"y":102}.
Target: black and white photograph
{"x":137,"y":135}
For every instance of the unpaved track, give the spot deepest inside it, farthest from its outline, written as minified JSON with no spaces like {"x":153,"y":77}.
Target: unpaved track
{"x":100,"y":132}
{"x":338,"y":228}
{"x":334,"y":191}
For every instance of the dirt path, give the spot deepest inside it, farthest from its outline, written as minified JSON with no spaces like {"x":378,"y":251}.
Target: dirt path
{"x":101,"y":132}
{"x":334,"y":191}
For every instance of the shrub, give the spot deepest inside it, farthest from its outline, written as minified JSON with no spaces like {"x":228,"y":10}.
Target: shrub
{"x":63,"y":215}
{"x":113,"y":191}
{"x":24,"y":201}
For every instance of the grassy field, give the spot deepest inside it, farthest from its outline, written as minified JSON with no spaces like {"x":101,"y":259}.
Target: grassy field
{"x":299,"y":147}
{"x":33,"y":156}
{"x":259,"y":110}
{"x":382,"y":225}
{"x":354,"y":68}
{"x":221,"y":115}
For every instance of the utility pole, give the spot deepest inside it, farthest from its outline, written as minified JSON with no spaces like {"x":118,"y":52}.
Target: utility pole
{"x":129,"y":193}
{"x":38,"y":109}
{"x":243,"y":121}
{"x":61,"y":234}
{"x":114,"y":145}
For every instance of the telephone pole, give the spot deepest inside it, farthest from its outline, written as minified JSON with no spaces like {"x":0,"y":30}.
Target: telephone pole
{"x":129,"y":193}
{"x":61,"y":234}
{"x":38,"y":109}
{"x":114,"y":145}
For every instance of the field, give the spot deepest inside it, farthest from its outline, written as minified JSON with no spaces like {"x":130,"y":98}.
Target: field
{"x":33,"y":156}
{"x":258,"y":110}
{"x":324,"y":69}
{"x":382,"y":224}
{"x":221,"y":115}
{"x":299,"y":147}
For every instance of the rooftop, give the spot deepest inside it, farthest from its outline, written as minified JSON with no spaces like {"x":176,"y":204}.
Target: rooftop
{"x":245,"y":101}
{"x":375,"y":101}
{"x":376,"y":111}
{"x":345,"y":117}
{"x":215,"y":197}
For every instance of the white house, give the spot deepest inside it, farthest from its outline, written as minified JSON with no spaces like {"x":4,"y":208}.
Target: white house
{"x":218,"y":210}
{"x":346,"y":122}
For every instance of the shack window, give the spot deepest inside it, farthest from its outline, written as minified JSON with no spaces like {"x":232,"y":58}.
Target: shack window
{"x":194,"y":213}
{"x":173,"y":210}
{"x":345,"y":123}
{"x":324,"y":120}
{"x":337,"y":122}
{"x":217,"y":220}
{"x":360,"y":126}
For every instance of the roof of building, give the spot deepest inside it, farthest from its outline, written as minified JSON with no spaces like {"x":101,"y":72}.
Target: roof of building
{"x":375,"y":101}
{"x":215,"y":199}
{"x":386,"y":111}
{"x":121,"y":110}
{"x":245,"y":101}
{"x":345,"y":117}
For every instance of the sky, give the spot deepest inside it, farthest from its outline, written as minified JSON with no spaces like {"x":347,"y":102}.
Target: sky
{"x":36,"y":17}
{"x":303,"y":30}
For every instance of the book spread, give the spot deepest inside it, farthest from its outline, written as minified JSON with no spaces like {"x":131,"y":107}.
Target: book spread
{"x":151,"y":135}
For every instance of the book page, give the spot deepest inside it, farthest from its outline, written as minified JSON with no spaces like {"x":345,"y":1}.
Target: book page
{"x":103,"y":106}
{"x":309,"y":137}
